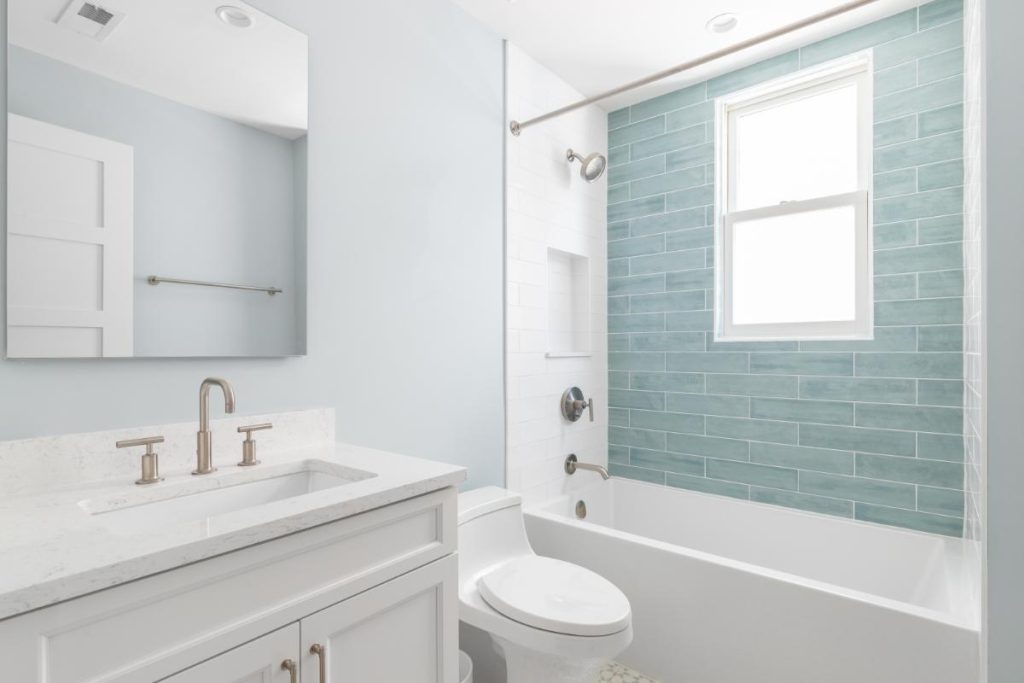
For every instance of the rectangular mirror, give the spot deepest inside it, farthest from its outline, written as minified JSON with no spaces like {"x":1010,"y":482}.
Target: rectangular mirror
{"x":156,"y":180}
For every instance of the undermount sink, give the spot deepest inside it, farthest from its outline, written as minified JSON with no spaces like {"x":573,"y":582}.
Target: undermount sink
{"x":200,"y":499}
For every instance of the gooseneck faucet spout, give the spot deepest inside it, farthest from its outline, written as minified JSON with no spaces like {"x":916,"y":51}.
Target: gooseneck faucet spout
{"x":204,"y":439}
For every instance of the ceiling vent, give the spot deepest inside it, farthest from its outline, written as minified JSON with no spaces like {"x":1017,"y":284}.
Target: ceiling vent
{"x":90,"y":19}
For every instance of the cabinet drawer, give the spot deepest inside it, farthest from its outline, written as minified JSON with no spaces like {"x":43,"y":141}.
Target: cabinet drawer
{"x":151,"y":628}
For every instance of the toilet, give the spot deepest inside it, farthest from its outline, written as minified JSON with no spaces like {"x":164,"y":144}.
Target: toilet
{"x":551,"y":621}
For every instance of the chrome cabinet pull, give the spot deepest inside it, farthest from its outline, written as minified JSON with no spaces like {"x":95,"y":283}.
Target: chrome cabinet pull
{"x":293,"y":671}
{"x":321,"y":653}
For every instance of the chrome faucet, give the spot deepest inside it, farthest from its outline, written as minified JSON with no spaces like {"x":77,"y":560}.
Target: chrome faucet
{"x":204,"y":439}
{"x":572,"y":464}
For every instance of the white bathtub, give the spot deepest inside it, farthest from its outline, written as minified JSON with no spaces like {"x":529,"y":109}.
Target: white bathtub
{"x":726,"y":591}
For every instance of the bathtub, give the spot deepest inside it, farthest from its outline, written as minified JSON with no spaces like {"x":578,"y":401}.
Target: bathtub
{"x":727,"y":591}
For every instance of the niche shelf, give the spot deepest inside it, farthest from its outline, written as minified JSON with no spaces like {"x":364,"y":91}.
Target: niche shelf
{"x":568,"y":305}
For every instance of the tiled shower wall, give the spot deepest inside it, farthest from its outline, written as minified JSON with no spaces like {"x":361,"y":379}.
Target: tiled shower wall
{"x":870,"y":430}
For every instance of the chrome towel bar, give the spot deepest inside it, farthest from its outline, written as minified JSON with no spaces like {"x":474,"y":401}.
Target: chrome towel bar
{"x":154,"y":280}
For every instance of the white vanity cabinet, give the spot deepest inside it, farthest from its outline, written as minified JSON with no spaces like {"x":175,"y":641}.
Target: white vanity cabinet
{"x":376,"y":591}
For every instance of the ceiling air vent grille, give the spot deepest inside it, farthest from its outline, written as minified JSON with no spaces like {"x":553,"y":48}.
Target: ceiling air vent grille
{"x":90,"y":19}
{"x":94,"y":13}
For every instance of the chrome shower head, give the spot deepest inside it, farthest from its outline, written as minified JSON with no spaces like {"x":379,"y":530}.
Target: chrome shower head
{"x":592,"y":166}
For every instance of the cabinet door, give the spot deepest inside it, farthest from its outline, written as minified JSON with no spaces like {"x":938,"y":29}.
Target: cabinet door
{"x":258,"y":661}
{"x":405,"y":630}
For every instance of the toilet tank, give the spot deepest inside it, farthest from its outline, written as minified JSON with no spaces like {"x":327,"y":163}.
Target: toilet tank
{"x":491,"y":530}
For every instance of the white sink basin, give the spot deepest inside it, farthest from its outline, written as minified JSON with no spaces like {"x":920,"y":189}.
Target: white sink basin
{"x":205,"y":497}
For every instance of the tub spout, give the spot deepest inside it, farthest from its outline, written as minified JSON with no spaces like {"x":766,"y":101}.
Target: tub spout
{"x":572,"y":464}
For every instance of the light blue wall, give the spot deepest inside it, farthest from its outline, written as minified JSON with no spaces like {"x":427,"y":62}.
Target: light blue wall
{"x":868,"y":430}
{"x":405,"y":254}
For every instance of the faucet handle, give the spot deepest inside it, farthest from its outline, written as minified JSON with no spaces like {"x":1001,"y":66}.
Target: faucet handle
{"x":249,"y":445}
{"x":150,"y":459}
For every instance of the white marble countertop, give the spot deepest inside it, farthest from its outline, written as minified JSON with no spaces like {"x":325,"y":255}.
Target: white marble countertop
{"x":54,"y":547}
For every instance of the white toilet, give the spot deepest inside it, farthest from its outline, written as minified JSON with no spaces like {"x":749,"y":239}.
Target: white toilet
{"x":552,"y":621}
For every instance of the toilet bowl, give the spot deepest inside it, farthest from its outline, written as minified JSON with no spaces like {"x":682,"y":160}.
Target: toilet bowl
{"x":552,"y":621}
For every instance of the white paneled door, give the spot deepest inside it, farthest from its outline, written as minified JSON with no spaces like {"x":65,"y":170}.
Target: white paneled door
{"x":269,"y":659}
{"x":70,"y":224}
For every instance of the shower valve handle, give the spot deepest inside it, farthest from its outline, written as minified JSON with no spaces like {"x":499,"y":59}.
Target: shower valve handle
{"x":573,"y":405}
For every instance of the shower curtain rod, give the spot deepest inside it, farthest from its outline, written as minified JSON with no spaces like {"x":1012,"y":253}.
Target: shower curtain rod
{"x":517,"y":126}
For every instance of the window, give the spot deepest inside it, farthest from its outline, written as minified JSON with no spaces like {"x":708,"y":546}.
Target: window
{"x":793,"y":241}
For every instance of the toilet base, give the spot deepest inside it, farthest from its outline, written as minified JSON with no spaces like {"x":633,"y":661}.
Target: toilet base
{"x":529,"y":666}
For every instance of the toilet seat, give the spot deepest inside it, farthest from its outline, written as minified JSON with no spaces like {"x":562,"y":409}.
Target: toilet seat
{"x":555,"y":596}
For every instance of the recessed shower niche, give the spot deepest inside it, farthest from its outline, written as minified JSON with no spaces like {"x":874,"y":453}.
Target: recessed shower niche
{"x":568,"y":304}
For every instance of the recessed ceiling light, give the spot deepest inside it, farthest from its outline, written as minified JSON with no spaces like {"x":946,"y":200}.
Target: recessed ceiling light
{"x":723,"y":23}
{"x":234,"y":16}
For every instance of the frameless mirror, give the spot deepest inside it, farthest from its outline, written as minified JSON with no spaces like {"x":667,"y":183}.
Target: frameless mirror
{"x":156,"y":180}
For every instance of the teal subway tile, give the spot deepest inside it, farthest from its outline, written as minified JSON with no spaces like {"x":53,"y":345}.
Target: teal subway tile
{"x":939,"y":12}
{"x":802,"y":501}
{"x":668,"y":341}
{"x":940,"y":175}
{"x":652,"y":244}
{"x":920,"y":205}
{"x":942,"y":229}
{"x":752,"y":385}
{"x":618,"y":305}
{"x":618,"y":118}
{"x":702,"y":112}
{"x":919,"y":45}
{"x":688,"y":199}
{"x":949,"y":447}
{"x":896,"y":131}
{"x":623,"y":173}
{"x":920,"y":312}
{"x":617,"y":194}
{"x":748,"y":347}
{"x":669,"y":102}
{"x":704,"y":485}
{"x":754,"y":74}
{"x":855,"y":488}
{"x":802,"y":458}
{"x":886,"y":339}
{"x":939,"y":121}
{"x":636,"y":208}
{"x":649,"y":362}
{"x":668,"y":381}
{"x":678,"y":463}
{"x":618,"y":155}
{"x":941,"y":283}
{"x":618,"y":343}
{"x":710,"y":261}
{"x":667,"y":182}
{"x":900,"y":234}
{"x":915,"y":418}
{"x":916,"y":259}
{"x":754,"y":430}
{"x":666,"y":262}
{"x":728,"y":449}
{"x":669,"y":301}
{"x":895,"y":183}
{"x":697,"y":155}
{"x":834,"y":364}
{"x":643,"y":284}
{"x":940,"y":66}
{"x":618,"y":379}
{"x":858,"y":439}
{"x":667,"y":222}
{"x":747,"y":473}
{"x":707,"y":362}
{"x":618,"y":267}
{"x":667,"y":422}
{"x":638,"y":438}
{"x":910,"y":519}
{"x":636,"y":473}
{"x":940,"y":392}
{"x":921,"y":98}
{"x":910,"y":470}
{"x":704,"y":404}
{"x":940,"y":501}
{"x":941,"y":338}
{"x":687,"y":137}
{"x":902,"y":77}
{"x":618,"y":455}
{"x":617,"y":231}
{"x":618,"y":417}
{"x":858,"y":389}
{"x":920,"y":365}
{"x":637,"y":131}
{"x":689,"y":239}
{"x":795,"y":410}
{"x":703,"y":278}
{"x":876,"y":33}
{"x":896,"y":287}
{"x":636,"y":322}
{"x":702,"y":321}
{"x":646,"y":400}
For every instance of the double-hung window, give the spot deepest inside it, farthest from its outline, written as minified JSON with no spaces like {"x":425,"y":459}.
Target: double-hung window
{"x":793,"y":239}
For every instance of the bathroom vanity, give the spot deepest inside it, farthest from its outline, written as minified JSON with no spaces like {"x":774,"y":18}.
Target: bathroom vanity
{"x":326,"y":562}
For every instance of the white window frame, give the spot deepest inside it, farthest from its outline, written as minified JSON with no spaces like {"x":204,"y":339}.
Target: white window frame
{"x":854,"y":69}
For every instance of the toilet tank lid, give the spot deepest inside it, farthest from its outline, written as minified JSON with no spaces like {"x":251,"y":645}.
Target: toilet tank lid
{"x":479,"y":502}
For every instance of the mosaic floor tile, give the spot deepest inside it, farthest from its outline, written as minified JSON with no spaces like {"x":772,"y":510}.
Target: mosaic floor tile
{"x":617,"y":673}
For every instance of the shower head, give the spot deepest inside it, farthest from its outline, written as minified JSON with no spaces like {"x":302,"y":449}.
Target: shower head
{"x":592,"y":166}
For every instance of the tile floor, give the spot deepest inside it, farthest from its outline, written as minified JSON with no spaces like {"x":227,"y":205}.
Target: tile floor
{"x":617,"y":673}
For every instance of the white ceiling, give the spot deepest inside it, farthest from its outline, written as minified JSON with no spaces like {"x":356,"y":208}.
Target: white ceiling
{"x":180,"y":50}
{"x":597,"y":45}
